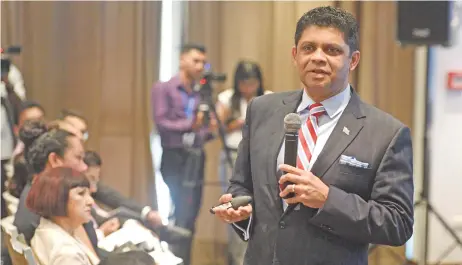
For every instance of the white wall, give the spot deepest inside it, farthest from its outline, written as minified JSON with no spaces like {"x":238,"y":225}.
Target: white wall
{"x":445,"y":153}
{"x":171,"y":33}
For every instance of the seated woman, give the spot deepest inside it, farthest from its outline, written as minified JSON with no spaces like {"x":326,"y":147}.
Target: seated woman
{"x":62,"y":198}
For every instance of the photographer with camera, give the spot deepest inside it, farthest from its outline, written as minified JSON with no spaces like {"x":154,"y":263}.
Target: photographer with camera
{"x":184,"y":124}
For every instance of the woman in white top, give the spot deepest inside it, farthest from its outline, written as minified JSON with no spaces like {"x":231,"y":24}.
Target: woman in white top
{"x":231,"y":109}
{"x":61,"y":196}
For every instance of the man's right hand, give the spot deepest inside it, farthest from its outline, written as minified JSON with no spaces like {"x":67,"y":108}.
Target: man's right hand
{"x":230,"y":215}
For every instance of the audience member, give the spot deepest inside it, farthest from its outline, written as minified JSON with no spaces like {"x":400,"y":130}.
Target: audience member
{"x":8,"y":140}
{"x":77,"y":119}
{"x":114,"y":199}
{"x":30,"y":110}
{"x":62,"y":198}
{"x":46,"y":148}
{"x":103,"y":228}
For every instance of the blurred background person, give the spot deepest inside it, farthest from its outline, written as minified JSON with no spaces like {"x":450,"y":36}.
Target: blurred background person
{"x":13,"y":76}
{"x":103,"y":228}
{"x":8,"y":139}
{"x":46,"y":148}
{"x":18,"y":175}
{"x":183,"y":134}
{"x":113,"y":198}
{"x":76,"y":119}
{"x":61,"y":197}
{"x":231,"y":109}
{"x":29,"y":110}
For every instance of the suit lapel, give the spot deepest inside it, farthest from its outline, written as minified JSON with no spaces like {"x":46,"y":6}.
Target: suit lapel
{"x":288,"y":105}
{"x":348,"y":126}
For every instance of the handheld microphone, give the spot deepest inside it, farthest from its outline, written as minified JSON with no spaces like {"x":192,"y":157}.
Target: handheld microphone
{"x":292,"y":124}
{"x":235,"y":203}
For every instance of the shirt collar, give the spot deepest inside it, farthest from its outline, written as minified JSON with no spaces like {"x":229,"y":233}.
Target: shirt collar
{"x":333,"y":105}
{"x":176,"y":82}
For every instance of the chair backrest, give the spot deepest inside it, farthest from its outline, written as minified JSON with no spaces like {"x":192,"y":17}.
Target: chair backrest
{"x":20,"y":252}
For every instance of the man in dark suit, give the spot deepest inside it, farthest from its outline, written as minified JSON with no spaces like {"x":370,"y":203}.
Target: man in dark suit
{"x":353,"y":182}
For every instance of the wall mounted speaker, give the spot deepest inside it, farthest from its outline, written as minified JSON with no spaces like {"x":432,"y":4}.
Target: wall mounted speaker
{"x":427,"y":22}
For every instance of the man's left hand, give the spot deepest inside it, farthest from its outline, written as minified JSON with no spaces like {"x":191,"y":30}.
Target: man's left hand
{"x":308,"y":188}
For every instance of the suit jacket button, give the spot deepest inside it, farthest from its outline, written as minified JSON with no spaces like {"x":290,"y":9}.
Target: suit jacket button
{"x":282,"y":225}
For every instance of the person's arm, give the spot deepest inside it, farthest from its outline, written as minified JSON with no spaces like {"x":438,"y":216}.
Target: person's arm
{"x":15,"y":78}
{"x":224,"y":112}
{"x":114,"y":199}
{"x":387,"y":217}
{"x":241,"y":181}
{"x":160,"y":109}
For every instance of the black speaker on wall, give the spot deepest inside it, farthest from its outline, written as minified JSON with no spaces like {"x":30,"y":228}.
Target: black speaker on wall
{"x":426,"y":22}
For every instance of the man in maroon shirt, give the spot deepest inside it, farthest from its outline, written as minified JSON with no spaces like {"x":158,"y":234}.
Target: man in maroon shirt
{"x":183,"y":134}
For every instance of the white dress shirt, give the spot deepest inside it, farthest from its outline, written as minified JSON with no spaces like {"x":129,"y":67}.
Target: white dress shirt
{"x":15,"y":78}
{"x":334,"y":107}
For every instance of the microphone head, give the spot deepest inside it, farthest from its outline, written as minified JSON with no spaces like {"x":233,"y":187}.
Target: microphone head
{"x":292,"y":122}
{"x":240,"y":201}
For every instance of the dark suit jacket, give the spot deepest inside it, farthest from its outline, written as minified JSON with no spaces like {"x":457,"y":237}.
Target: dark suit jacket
{"x":373,"y":205}
{"x":114,"y":199}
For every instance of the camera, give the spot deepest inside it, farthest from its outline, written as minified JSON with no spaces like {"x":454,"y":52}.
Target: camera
{"x":5,"y":61}
{"x":206,"y":90}
{"x":5,"y":66}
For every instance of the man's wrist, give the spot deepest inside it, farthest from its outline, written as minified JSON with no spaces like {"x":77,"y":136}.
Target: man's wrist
{"x":325,"y":194}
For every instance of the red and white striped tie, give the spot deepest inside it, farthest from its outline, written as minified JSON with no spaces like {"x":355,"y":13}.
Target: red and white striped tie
{"x":308,"y":135}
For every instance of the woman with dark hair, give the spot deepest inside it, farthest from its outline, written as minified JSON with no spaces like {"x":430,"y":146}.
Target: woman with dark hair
{"x":231,"y":109}
{"x":61,"y":196}
{"x":45,"y":148}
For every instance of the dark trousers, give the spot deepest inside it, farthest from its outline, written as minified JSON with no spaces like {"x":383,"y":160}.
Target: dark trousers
{"x":183,"y":172}
{"x":3,"y":179}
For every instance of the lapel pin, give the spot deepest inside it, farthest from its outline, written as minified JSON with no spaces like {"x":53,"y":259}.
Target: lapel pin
{"x":346,"y":131}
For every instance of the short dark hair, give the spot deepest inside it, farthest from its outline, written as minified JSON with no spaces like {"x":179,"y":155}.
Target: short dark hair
{"x":40,"y":141}
{"x":192,"y":46}
{"x":29,"y":104}
{"x":328,"y":16}
{"x":71,"y":113}
{"x":49,"y":193}
{"x":92,"y":159}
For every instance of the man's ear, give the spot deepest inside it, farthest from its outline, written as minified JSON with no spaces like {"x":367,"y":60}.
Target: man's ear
{"x":294,"y":53}
{"x":354,"y":60}
{"x":54,"y":160}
